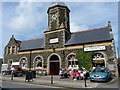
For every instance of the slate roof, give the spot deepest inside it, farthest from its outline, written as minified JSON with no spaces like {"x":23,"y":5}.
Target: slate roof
{"x":89,"y":36}
{"x":82,"y":37}
{"x":32,"y":44}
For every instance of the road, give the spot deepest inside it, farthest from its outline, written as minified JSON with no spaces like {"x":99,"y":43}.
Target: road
{"x":14,"y":85}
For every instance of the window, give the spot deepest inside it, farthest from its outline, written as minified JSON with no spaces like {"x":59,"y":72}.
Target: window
{"x":98,"y":56}
{"x":13,"y":49}
{"x":72,"y":61}
{"x":23,"y":63}
{"x":38,"y":62}
{"x":8,"y":50}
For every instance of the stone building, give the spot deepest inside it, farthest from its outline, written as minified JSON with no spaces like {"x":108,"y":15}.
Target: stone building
{"x":57,"y":49}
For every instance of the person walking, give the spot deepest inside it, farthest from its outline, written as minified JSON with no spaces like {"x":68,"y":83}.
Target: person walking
{"x":61,"y":73}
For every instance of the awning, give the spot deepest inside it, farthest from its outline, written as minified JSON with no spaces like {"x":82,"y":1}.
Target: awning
{"x":15,"y":63}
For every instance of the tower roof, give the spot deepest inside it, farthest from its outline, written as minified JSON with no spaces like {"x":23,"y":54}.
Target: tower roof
{"x":58,"y":3}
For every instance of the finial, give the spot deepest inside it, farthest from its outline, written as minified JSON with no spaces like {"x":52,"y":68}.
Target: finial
{"x":109,"y":23}
{"x":12,"y":36}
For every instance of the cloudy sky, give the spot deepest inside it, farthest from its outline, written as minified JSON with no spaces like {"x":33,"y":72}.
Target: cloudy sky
{"x":28,"y":20}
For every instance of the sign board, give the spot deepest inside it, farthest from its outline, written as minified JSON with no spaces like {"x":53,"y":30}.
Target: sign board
{"x":4,"y":67}
{"x":54,"y":40}
{"x":94,"y":48}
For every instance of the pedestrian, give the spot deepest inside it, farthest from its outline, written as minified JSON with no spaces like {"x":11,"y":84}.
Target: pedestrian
{"x":71,"y":73}
{"x":61,"y":73}
{"x":77,"y":75}
{"x":81,"y":74}
{"x":65,"y":73}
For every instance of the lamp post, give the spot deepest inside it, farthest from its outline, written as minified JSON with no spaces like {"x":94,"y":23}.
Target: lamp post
{"x":30,"y":62}
{"x":12,"y":75}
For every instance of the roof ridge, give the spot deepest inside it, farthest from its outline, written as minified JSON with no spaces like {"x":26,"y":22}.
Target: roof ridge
{"x":90,"y":29}
{"x":32,"y":39}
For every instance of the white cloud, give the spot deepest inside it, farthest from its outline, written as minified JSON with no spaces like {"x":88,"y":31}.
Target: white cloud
{"x":74,"y":27}
{"x":93,"y":13}
{"x":27,"y":17}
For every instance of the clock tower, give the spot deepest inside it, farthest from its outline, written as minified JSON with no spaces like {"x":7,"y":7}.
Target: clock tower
{"x":58,"y":26}
{"x":58,"y":16}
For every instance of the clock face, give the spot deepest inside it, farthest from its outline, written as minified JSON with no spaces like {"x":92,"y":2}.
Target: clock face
{"x":54,"y":16}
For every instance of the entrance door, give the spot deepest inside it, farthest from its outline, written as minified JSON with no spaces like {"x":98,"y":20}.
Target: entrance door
{"x":54,"y":65}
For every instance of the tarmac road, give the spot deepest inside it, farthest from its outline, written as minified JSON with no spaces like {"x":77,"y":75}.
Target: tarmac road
{"x":17,"y":85}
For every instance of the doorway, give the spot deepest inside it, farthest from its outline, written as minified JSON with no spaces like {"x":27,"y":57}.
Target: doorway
{"x":54,"y":65}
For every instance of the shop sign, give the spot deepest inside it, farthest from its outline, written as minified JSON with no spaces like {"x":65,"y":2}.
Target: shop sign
{"x":54,"y":40}
{"x":94,"y":48}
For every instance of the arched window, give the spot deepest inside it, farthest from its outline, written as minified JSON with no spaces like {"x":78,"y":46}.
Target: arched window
{"x":38,"y":62}
{"x":98,"y":60}
{"x":98,"y":56}
{"x":72,"y":61}
{"x":23,"y":63}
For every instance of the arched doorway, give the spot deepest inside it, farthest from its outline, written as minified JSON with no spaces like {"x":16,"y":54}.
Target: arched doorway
{"x":54,"y":65}
{"x":98,"y":59}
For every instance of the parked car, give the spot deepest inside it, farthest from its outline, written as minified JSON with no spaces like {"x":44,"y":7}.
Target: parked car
{"x":100,"y":74}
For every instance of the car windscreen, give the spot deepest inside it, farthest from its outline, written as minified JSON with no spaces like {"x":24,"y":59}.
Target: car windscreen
{"x":99,"y":70}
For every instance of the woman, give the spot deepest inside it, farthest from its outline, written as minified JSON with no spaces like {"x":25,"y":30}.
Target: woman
{"x":76,"y":75}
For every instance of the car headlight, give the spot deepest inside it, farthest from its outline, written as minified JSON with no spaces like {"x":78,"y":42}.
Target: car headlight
{"x":91,"y":75}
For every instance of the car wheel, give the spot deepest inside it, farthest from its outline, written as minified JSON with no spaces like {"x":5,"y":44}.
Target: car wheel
{"x":91,"y":80}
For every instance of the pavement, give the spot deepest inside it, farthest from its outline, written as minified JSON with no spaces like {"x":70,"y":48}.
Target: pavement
{"x":66,"y":83}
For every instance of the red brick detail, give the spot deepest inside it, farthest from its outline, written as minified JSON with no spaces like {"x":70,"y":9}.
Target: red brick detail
{"x":90,"y":29}
{"x":32,"y":39}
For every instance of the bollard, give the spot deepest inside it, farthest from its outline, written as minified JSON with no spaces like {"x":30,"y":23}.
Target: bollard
{"x":51,"y":79}
{"x":85,"y":80}
{"x":12,"y":76}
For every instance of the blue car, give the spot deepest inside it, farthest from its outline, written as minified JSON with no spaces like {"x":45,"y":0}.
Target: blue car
{"x":100,"y":74}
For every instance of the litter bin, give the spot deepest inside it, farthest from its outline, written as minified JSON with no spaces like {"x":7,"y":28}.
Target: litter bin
{"x":34,"y":74}
{"x":29,"y":76}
